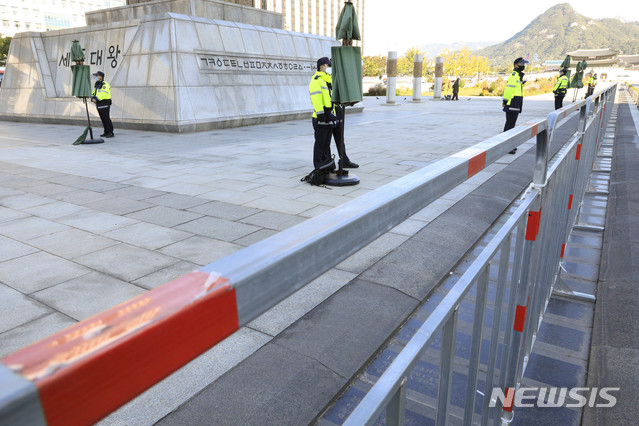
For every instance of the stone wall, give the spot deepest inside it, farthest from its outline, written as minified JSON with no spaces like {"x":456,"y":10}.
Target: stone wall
{"x":168,"y":72}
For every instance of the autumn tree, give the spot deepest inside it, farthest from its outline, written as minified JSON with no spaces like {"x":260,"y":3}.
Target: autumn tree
{"x":374,"y":66}
{"x":462,"y":63}
{"x":411,"y":53}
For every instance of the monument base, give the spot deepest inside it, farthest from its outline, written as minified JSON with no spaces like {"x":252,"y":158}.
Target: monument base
{"x":335,"y":179}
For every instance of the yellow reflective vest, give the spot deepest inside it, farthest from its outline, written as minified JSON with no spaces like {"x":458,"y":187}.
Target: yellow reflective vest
{"x":320,"y":93}
{"x":102,"y":92}
{"x":591,"y":81}
{"x":514,"y":93}
{"x":514,"y":87}
{"x":562,"y":85}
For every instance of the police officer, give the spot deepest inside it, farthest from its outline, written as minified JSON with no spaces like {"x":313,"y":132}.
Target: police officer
{"x":513,"y":100}
{"x":320,"y":90}
{"x":323,"y":113}
{"x":592,"y":82}
{"x":560,"y":88}
{"x":101,"y":97}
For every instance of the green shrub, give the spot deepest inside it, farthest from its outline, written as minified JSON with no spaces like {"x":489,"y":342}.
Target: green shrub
{"x":377,"y":90}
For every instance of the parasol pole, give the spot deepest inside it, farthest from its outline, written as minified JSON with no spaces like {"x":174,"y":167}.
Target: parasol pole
{"x":340,"y":170}
{"x":88,"y":119}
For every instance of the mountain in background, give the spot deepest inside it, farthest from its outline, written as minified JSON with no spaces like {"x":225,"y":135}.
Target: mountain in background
{"x":435,"y":49}
{"x":559,"y":30}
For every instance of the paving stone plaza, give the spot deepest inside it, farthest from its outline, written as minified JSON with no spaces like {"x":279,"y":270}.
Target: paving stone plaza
{"x":83,"y":228}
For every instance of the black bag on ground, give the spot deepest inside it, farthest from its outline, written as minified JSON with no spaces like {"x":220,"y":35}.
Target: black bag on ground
{"x":318,"y":175}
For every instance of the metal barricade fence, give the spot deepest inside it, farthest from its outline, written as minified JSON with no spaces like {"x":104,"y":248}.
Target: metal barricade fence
{"x":519,"y":265}
{"x":53,"y":380}
{"x":633,"y":94}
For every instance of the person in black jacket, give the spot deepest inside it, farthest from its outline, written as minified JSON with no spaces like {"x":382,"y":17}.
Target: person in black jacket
{"x":456,"y":90}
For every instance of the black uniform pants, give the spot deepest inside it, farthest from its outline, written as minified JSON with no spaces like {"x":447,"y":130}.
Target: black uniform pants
{"x":322,"y":147}
{"x":104,"y":111}
{"x":511,"y":120}
{"x":559,"y":101}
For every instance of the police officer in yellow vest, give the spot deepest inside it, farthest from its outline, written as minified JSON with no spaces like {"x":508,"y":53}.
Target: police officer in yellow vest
{"x":560,"y":89}
{"x":324,"y":119}
{"x":592,"y":82}
{"x":101,"y":96}
{"x":513,"y":100}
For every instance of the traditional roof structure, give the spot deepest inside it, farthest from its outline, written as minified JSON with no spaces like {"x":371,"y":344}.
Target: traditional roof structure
{"x":594,"y":57}
{"x":629,"y":61}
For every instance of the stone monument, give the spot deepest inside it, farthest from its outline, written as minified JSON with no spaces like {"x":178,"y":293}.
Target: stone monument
{"x":173,"y":65}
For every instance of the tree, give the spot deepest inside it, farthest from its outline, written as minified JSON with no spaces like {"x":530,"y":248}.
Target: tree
{"x":374,"y":66}
{"x":404,"y":66}
{"x":411,"y":53}
{"x":4,"y":49}
{"x":462,"y":63}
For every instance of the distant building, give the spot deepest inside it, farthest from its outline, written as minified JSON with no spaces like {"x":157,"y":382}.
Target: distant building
{"x":317,"y":17}
{"x":552,"y":65}
{"x":600,"y":58}
{"x":629,"y":61}
{"x":46,"y":15}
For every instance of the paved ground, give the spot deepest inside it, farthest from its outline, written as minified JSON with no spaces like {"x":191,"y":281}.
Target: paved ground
{"x":85,"y":227}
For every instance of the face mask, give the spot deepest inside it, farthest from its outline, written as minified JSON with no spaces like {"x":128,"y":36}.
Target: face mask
{"x":329,"y":70}
{"x":95,"y":77}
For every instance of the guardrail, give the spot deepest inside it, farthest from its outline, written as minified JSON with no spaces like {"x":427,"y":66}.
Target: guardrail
{"x":52,"y":381}
{"x":523,"y":258}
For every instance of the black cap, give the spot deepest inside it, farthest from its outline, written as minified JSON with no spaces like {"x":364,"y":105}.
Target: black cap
{"x":518,"y":60}
{"x":100,"y":73}
{"x":323,"y":61}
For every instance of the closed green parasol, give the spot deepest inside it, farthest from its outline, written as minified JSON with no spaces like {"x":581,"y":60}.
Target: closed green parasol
{"x":566,"y":65}
{"x":347,"y":75}
{"x":81,"y":88}
{"x":347,"y":79}
{"x":347,"y":27}
{"x":347,"y":59}
{"x":577,"y":80}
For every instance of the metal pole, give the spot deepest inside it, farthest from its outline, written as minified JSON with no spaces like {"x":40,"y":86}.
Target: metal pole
{"x":88,"y":119}
{"x":341,"y":146}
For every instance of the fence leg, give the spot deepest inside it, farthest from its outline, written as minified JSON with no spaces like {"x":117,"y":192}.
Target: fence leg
{"x":446,"y":369}
{"x":396,"y":408}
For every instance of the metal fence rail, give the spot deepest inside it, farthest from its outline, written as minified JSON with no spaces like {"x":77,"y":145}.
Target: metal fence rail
{"x":52,"y":381}
{"x":519,"y":266}
{"x":632,"y":93}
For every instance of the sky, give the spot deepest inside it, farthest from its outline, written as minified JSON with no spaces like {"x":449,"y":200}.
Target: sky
{"x":399,"y":25}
